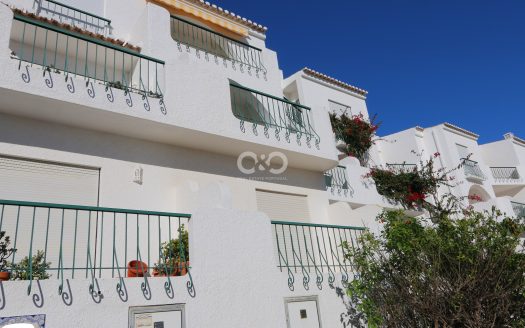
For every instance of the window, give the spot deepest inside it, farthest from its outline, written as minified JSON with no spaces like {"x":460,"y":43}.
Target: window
{"x":283,"y":206}
{"x":338,"y":108}
{"x":462,"y":151}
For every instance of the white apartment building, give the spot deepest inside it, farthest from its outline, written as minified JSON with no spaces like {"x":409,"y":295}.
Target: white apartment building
{"x":122,"y":122}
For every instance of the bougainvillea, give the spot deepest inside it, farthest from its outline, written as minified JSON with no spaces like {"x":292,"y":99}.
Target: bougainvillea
{"x":357,"y":133}
{"x":475,"y":198}
{"x":410,"y":188}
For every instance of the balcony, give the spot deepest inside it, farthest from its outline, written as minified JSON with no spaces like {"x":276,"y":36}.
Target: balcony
{"x":74,"y":16}
{"x":401,"y":168}
{"x":258,"y":108}
{"x":506,"y":175}
{"x":218,"y":45}
{"x":313,"y":251}
{"x":519,"y":209}
{"x":473,"y":171}
{"x":336,"y":180}
{"x":63,"y":50}
{"x":81,"y":242}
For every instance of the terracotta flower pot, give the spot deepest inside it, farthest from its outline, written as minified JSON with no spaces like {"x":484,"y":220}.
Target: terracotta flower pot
{"x":182,"y":268}
{"x":4,"y":276}
{"x":137,"y":269}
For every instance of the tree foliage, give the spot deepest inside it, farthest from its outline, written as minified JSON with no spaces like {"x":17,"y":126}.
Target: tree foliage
{"x":453,"y":267}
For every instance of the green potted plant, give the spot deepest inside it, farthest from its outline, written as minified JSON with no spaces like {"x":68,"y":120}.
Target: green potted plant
{"x":172,"y":261}
{"x":39,"y":268}
{"x":5,"y":253}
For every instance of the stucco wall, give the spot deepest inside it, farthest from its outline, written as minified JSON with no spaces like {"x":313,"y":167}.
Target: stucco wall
{"x":196,"y":97}
{"x":235,"y":275}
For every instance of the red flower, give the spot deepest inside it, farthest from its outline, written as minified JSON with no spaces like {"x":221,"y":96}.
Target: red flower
{"x":415,"y":196}
{"x":436,"y":154}
{"x":475,"y":198}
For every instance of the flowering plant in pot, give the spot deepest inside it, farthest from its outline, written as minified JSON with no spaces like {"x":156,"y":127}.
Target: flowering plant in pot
{"x":175,"y":256}
{"x":357,"y":133}
{"x":5,"y":253}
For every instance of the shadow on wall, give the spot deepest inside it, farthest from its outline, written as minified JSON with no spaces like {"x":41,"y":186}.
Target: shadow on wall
{"x":33,"y":133}
{"x":478,"y":194}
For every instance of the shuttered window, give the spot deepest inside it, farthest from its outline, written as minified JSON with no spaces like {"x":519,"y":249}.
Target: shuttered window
{"x":283,"y":206}
{"x":36,"y":181}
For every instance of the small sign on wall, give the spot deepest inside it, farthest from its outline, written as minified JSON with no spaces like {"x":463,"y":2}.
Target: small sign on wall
{"x":159,"y":324}
{"x":144,"y":321}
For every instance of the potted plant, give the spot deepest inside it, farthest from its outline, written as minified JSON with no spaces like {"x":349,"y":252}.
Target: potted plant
{"x":356,"y":133}
{"x":5,"y":253}
{"x":137,"y":269}
{"x":39,"y":268}
{"x":172,"y":261}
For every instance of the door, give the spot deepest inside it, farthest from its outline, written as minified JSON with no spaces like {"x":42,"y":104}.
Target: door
{"x":157,"y":316}
{"x":303,"y":312}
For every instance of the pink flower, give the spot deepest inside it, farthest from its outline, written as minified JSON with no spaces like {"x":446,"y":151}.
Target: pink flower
{"x":436,"y":154}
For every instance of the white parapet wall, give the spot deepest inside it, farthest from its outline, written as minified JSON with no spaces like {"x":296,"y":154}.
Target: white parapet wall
{"x":236,"y":283}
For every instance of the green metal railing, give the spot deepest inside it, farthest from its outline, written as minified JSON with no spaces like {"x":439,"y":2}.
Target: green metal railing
{"x":314,"y":249}
{"x":57,"y":50}
{"x":336,"y":179}
{"x":398,"y":168}
{"x":209,"y":41}
{"x":505,"y":174}
{"x":519,"y":209}
{"x":83,"y":242}
{"x":75,"y":16}
{"x":259,"y":108}
{"x":472,"y":169}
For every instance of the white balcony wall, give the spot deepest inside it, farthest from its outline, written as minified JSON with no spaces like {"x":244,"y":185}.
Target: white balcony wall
{"x":233,"y":268}
{"x":500,"y":154}
{"x":403,"y":147}
{"x":197,"y":109}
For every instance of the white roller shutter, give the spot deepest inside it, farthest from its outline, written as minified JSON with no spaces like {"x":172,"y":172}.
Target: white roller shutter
{"x":36,"y":181}
{"x":283,"y":206}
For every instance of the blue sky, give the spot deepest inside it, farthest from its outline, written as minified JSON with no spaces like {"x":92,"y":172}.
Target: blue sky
{"x":423,"y":61}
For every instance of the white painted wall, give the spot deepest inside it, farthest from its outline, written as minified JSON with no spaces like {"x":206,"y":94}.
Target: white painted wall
{"x":197,"y":97}
{"x":235,"y":276}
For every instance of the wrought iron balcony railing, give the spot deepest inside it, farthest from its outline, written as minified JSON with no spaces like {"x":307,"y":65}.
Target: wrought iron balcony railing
{"x":519,"y":209}
{"x":259,"y":108}
{"x":506,"y":174}
{"x":472,"y":169}
{"x":77,"y":17}
{"x":75,"y":54}
{"x":398,"y":168}
{"x":336,"y":179}
{"x":211,"y":42}
{"x":82,"y":242}
{"x":314,"y":250}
